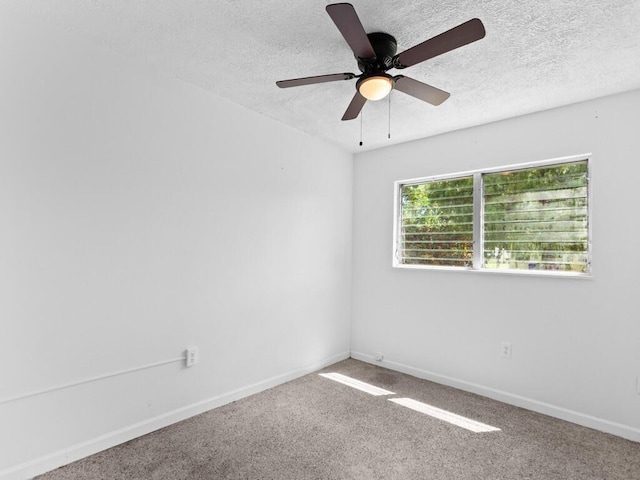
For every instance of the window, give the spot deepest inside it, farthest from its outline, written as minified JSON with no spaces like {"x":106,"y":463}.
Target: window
{"x":437,"y":222}
{"x":531,"y":217}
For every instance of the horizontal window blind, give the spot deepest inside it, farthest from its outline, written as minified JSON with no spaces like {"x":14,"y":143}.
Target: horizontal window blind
{"x":436,"y":223}
{"x":537,"y":218}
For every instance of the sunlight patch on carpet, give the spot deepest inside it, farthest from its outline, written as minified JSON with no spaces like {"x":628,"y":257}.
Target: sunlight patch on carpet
{"x":440,"y":414}
{"x":357,"y":384}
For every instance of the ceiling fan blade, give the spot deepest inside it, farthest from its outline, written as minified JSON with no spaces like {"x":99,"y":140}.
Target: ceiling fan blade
{"x":347,"y":21}
{"x":354,"y":108}
{"x":296,"y":82}
{"x":420,"y":90}
{"x":451,"y":39}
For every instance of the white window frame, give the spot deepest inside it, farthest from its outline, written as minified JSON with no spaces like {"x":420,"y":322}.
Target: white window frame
{"x":478,"y":224}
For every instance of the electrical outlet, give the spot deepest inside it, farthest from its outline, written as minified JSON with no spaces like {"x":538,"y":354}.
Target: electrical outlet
{"x":192,"y":356}
{"x":506,"y":350}
{"x":378,"y":357}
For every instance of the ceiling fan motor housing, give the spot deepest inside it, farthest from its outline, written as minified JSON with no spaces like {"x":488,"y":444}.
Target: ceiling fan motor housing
{"x":385,"y":47}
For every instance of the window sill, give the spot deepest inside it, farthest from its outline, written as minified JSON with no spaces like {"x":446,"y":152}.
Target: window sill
{"x":499,"y":271}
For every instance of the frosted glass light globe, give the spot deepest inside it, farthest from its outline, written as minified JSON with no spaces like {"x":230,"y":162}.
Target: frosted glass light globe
{"x":375,"y":88}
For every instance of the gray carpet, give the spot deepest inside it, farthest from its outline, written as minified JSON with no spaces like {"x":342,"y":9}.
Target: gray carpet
{"x":315,"y":428}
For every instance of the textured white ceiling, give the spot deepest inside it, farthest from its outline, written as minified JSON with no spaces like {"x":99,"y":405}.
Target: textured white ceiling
{"x":537,"y":54}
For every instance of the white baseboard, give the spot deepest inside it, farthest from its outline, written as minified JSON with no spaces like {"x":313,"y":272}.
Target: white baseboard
{"x":583,"y":419}
{"x":57,"y":459}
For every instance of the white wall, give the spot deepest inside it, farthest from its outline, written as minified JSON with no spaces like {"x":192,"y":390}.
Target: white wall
{"x":576,"y":342}
{"x":140,"y":215}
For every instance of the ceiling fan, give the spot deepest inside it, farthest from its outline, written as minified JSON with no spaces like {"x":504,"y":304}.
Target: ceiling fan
{"x":376,"y":54}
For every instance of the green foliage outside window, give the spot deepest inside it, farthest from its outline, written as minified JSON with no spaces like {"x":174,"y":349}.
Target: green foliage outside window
{"x":537,"y":218}
{"x":531,"y":219}
{"x":437,"y":223}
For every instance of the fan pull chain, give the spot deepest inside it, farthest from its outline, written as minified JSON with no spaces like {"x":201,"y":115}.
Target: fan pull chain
{"x":389,"y":124}
{"x":361,"y":114}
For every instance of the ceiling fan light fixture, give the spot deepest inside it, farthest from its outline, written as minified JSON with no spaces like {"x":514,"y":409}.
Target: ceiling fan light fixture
{"x":375,"y":87}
